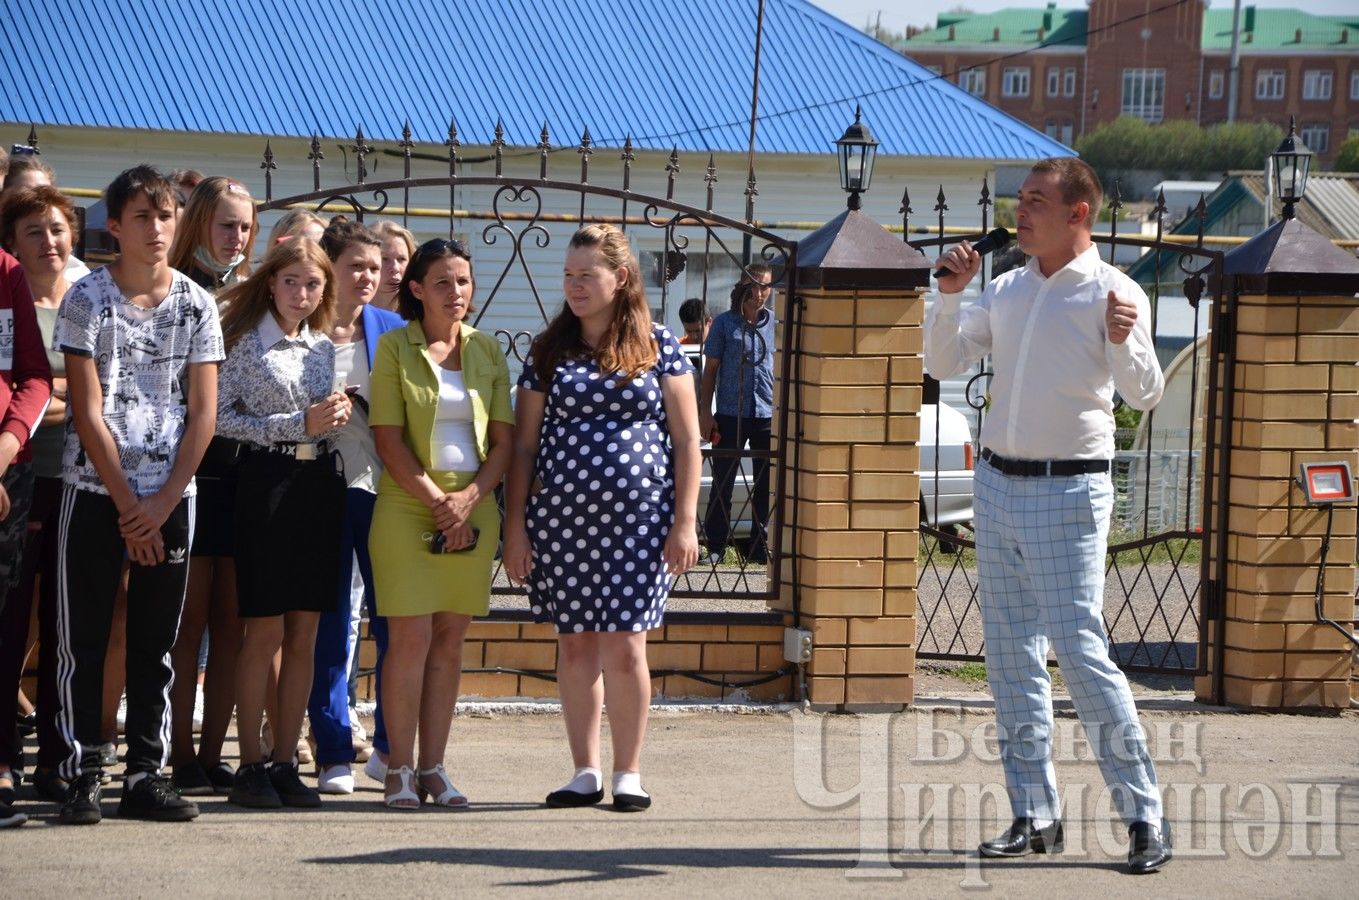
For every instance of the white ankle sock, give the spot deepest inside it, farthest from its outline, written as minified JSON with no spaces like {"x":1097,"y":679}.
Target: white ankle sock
{"x":1040,"y":824}
{"x":586,"y":781}
{"x":628,"y":783}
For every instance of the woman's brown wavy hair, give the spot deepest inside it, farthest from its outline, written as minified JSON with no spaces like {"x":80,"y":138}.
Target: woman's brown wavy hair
{"x":628,"y":346}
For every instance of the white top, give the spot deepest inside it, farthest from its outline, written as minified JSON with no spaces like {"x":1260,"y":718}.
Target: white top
{"x":142,"y":358}
{"x":1055,"y":369}
{"x":357,"y":448}
{"x":455,"y":440}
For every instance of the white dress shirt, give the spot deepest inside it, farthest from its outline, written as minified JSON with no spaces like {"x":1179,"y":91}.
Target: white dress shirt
{"x":1055,"y":370}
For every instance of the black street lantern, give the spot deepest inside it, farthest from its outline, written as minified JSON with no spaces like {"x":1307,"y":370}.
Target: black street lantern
{"x":857,"y":148}
{"x":1291,"y":163}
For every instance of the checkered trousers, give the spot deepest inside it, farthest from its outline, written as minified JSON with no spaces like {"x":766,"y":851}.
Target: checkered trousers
{"x":1041,"y":544}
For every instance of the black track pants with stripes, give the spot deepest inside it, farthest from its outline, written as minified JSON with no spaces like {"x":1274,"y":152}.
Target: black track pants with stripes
{"x":89,"y":560}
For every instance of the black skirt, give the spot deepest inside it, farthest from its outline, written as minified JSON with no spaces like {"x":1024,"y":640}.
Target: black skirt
{"x":288,"y":520}
{"x":213,"y":532}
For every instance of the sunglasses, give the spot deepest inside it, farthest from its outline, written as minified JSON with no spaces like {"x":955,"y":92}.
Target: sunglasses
{"x":439,"y":245}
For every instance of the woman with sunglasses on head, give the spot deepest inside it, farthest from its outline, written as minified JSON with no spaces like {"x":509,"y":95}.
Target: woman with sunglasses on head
{"x":212,"y":244}
{"x":444,"y":426}
{"x":356,"y":255}
{"x":607,"y":436}
{"x":276,"y":395}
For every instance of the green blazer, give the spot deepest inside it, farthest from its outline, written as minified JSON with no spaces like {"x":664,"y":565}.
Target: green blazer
{"x":405,"y":386}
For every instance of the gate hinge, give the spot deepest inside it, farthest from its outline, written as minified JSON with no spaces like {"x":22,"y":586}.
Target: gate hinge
{"x":1212,"y":601}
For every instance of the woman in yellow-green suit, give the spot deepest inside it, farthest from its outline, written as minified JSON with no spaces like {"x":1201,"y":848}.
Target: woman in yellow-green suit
{"x":443,"y":426}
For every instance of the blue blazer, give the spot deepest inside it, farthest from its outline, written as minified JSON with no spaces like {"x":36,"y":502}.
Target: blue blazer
{"x":376,"y":323}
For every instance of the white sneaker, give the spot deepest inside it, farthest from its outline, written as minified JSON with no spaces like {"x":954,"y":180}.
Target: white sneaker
{"x":337,"y":779}
{"x":376,"y":769}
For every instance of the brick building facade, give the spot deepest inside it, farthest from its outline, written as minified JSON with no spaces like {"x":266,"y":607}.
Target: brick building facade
{"x":1068,"y":71}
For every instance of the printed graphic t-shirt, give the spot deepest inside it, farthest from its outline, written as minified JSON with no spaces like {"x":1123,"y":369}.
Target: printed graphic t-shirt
{"x":142,"y":357}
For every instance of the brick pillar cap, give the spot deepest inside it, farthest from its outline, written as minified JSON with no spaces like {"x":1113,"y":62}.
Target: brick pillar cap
{"x":853,"y":251}
{"x":1289,"y":257}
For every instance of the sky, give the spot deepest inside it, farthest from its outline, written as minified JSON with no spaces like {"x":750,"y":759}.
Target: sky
{"x":897,"y":14}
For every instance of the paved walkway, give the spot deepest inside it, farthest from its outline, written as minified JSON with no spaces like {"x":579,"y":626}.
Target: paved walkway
{"x":768,"y":803}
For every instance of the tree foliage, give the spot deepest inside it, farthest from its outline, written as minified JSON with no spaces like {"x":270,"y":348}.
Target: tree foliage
{"x":1347,"y":160}
{"x":1178,"y":146}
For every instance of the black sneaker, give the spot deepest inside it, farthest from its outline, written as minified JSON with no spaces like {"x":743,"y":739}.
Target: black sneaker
{"x":190,"y":780}
{"x":290,"y":788}
{"x":253,"y":788}
{"x":223,"y":778}
{"x":154,"y":799}
{"x":49,"y":785}
{"x":9,"y":817}
{"x":81,"y":806}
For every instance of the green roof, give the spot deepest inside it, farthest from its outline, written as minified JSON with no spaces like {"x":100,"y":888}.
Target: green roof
{"x":1276,"y":29}
{"x":1017,"y":26}
{"x":1261,"y":29}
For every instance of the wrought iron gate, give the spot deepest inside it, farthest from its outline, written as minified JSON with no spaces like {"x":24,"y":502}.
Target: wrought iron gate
{"x":1159,"y":585}
{"x":517,"y":226}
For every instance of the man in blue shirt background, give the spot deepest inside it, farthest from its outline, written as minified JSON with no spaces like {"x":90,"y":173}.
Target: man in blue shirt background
{"x":740,"y":367}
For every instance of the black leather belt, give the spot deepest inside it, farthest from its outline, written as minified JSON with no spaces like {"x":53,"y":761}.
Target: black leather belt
{"x":1036,"y":467}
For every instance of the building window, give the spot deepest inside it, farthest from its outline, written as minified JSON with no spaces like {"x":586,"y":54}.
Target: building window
{"x":973,"y":81}
{"x":1069,"y":82}
{"x":1317,"y":136}
{"x":1269,"y":84}
{"x":1065,"y":137}
{"x":1354,"y":85}
{"x":1016,"y":82}
{"x":1215,"y":82}
{"x":1144,"y":94}
{"x":1054,"y":81}
{"x":1051,"y":129}
{"x":1316,"y":84}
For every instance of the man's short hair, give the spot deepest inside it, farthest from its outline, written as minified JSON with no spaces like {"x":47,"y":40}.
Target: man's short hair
{"x":141,"y":179}
{"x":1078,"y":182}
{"x":694,"y":310}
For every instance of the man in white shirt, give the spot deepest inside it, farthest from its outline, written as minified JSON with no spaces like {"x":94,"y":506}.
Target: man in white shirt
{"x":1064,"y":332}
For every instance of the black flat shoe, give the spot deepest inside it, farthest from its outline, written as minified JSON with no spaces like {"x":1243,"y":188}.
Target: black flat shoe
{"x":564,"y":799}
{"x":631,"y":802}
{"x":1023,"y":839}
{"x":1148,"y":849}
{"x":26,"y":725}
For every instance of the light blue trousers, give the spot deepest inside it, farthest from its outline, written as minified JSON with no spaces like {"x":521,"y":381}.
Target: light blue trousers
{"x":1041,"y":545}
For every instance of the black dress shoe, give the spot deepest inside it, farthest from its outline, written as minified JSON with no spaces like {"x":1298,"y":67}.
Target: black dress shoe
{"x":1148,"y":849}
{"x":631,"y":802}
{"x":1023,"y":839}
{"x":563,"y":799}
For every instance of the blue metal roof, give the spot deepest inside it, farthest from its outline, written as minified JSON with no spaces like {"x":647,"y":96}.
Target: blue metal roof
{"x":670,"y":74}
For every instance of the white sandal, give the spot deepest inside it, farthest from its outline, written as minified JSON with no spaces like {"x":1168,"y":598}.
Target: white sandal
{"x":406,"y":797}
{"x":450,"y":796}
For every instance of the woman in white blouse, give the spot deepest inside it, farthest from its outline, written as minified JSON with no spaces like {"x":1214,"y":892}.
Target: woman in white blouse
{"x":276,"y":394}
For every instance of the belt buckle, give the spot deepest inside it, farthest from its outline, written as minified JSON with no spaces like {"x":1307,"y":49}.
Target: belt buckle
{"x":304,"y":452}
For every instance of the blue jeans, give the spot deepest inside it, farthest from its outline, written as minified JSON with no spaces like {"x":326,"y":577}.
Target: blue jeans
{"x":328,"y":706}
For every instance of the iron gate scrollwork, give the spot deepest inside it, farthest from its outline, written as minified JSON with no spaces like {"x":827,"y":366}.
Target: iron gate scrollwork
{"x":519,"y":234}
{"x":1159,"y":584}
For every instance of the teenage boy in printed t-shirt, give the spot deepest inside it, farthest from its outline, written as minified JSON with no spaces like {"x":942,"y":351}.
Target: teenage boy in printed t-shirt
{"x":141,"y":343}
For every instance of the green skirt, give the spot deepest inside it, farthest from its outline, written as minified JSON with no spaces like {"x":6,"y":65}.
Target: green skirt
{"x":410,"y":580}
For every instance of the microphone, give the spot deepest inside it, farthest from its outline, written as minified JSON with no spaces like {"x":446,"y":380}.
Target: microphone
{"x":994,"y":240}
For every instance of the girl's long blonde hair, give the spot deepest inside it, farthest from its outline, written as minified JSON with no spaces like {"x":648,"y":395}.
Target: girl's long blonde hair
{"x":195,"y":224}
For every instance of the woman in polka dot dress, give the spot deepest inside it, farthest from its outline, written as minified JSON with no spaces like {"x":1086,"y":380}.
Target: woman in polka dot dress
{"x":601,"y":501}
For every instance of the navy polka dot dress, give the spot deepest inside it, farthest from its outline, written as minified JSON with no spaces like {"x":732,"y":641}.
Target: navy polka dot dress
{"x":598,"y":524}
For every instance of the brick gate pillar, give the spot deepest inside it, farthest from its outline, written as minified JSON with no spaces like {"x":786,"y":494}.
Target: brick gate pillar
{"x":1294,"y":393}
{"x":850,"y":494}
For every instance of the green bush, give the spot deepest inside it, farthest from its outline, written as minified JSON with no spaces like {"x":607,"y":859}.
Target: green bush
{"x":1178,"y":146}
{"x":1347,"y":160}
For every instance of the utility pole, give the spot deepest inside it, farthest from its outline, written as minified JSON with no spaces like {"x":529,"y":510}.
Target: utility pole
{"x":1232,"y":71}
